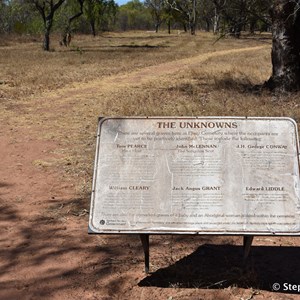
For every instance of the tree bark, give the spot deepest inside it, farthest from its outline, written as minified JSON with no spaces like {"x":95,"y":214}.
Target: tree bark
{"x":169,"y":26}
{"x":285,"y":46}
{"x":46,"y":42}
{"x":207,"y":22}
{"x":193,"y":19}
{"x":216,"y":21}
{"x":93,"y":28}
{"x":193,"y":28}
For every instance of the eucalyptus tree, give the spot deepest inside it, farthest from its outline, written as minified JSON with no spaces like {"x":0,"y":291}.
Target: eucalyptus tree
{"x":3,"y":16}
{"x":75,"y":13}
{"x":206,"y":14}
{"x":17,"y":16}
{"x":47,"y":10}
{"x":238,"y":15}
{"x":234,"y":15}
{"x":285,"y":22}
{"x":157,"y":8}
{"x":99,"y":13}
{"x":219,"y":6}
{"x":134,"y":15}
{"x":187,"y":10}
{"x":168,"y":15}
{"x":259,"y":15}
{"x":284,"y":19}
{"x":68,"y":13}
{"x":285,"y":45}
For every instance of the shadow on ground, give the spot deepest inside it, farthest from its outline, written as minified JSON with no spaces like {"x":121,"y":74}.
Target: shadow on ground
{"x":120,"y":48}
{"x":50,"y":251}
{"x":221,"y":266}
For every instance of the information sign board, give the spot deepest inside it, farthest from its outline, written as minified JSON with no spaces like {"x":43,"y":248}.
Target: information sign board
{"x":194,"y":175}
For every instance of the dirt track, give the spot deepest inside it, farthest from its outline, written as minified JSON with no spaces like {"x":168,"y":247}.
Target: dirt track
{"x":147,"y":74}
{"x":45,"y":250}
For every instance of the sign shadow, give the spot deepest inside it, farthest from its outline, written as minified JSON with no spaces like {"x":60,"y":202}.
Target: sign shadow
{"x":271,"y":268}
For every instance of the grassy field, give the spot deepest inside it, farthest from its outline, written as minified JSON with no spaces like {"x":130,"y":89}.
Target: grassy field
{"x":26,"y":70}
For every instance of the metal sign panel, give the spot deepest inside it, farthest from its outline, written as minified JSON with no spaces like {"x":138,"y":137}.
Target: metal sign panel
{"x":216,"y":175}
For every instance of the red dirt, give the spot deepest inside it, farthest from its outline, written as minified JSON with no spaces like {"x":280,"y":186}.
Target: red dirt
{"x":46,"y":252}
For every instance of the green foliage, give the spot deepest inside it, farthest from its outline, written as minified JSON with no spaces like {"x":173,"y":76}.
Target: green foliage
{"x":17,"y":16}
{"x":4,"y":18}
{"x":238,"y":15}
{"x":134,"y":15}
{"x":100,"y":14}
{"x":61,"y":18}
{"x":160,"y":11}
{"x":21,"y":16}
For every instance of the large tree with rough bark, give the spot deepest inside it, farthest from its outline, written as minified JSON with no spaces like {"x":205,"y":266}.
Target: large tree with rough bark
{"x":286,"y":45}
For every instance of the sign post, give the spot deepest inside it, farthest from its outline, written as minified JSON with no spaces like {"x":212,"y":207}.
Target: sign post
{"x":194,"y":175}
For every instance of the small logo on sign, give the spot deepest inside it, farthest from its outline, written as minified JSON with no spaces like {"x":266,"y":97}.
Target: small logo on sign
{"x":102,"y":222}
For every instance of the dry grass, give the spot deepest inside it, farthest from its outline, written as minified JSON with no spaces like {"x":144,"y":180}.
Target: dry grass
{"x":27,"y":70}
{"x":59,"y":95}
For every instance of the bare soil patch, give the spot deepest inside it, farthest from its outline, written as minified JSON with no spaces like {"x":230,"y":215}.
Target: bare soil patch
{"x":47,"y":142}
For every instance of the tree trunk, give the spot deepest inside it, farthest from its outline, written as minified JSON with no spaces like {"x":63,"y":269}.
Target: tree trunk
{"x":216,"y":21}
{"x":237,"y":29}
{"x":46,"y":42}
{"x":93,"y":27}
{"x":194,"y":17}
{"x":207,"y":22}
{"x":193,"y":28}
{"x":285,"y":46}
{"x":252,"y":26}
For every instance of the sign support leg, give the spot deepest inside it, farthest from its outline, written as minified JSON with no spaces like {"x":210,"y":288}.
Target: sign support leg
{"x":247,"y":245}
{"x":145,"y":242}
